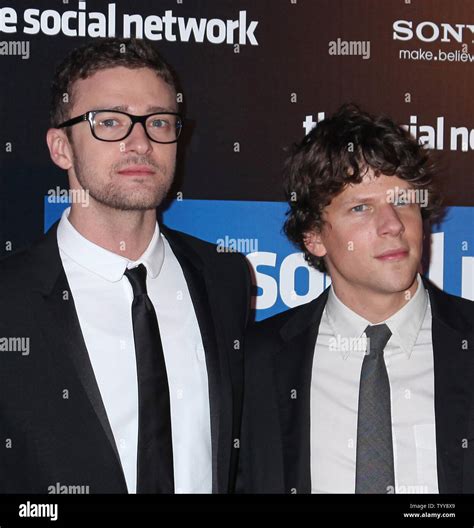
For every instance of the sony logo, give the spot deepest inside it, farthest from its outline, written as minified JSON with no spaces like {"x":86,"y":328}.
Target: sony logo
{"x":431,"y":31}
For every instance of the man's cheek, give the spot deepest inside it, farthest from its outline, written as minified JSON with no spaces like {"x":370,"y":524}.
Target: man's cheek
{"x":350,"y":245}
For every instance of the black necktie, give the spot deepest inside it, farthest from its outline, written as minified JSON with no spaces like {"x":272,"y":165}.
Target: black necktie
{"x":374,"y":463}
{"x":155,"y":449}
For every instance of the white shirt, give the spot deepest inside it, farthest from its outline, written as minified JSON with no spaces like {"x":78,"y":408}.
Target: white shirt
{"x":335,"y":394}
{"x":103,"y":299}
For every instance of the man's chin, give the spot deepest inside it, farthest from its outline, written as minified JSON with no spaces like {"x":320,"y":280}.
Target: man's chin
{"x":132,"y":205}
{"x":130,"y":202}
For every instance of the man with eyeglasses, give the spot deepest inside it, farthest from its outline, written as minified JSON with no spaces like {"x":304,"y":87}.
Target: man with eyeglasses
{"x":133,"y":379}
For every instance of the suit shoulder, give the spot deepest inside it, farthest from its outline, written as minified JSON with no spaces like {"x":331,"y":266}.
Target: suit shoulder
{"x":462,"y":310}
{"x":206,"y":250}
{"x":187,"y":239}
{"x":289,"y":322}
{"x":456,"y":311}
{"x":269,"y":329}
{"x":461,"y":303}
{"x":27,"y":268}
{"x":13,"y":267}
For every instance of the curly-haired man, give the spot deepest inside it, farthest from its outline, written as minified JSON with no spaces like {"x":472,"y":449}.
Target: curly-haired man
{"x":368,"y":388}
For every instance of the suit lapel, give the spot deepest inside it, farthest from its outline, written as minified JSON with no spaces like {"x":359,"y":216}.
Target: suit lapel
{"x":294,"y":364}
{"x":220,"y":391}
{"x":453,"y":380}
{"x":62,"y":333}
{"x":453,"y":390}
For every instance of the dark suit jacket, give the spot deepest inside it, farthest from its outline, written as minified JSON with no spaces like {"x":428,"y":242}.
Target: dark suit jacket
{"x":275,"y":450}
{"x":47,"y":439}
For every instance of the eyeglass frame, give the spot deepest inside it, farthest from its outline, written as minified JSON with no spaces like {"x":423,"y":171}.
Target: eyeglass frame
{"x":89,"y":116}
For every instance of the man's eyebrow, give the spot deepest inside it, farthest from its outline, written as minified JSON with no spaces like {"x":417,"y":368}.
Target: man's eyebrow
{"x":149,"y":109}
{"x":361,"y":198}
{"x":358,"y":199}
{"x":160,"y":109}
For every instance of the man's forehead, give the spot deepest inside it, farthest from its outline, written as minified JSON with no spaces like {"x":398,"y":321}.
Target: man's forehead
{"x":114,"y":72}
{"x":122,"y":87}
{"x":124,"y":79}
{"x":371,"y":187}
{"x":373,"y":181}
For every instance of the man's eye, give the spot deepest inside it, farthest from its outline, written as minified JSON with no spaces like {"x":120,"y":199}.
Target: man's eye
{"x":109,"y":123}
{"x":159,"y":123}
{"x":359,"y":208}
{"x":401,"y":201}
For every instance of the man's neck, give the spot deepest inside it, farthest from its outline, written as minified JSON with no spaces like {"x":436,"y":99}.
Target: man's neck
{"x":375,"y":306}
{"x":126,"y":233}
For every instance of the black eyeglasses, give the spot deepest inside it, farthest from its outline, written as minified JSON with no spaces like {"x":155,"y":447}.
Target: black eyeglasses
{"x":112,"y":125}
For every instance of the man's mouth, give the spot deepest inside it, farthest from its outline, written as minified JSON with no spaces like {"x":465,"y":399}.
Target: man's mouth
{"x":393,"y":254}
{"x":137,"y":170}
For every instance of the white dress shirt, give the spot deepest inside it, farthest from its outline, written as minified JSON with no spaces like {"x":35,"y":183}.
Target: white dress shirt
{"x":103,"y":299}
{"x":335,"y":393}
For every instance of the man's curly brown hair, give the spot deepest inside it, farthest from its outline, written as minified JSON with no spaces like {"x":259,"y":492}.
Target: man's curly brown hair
{"x":339,"y":151}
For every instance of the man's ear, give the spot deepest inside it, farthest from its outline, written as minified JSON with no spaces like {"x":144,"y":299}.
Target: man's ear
{"x":314,"y":244}
{"x":59,"y":148}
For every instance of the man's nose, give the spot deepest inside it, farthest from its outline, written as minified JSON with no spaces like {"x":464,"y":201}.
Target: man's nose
{"x":137,"y":141}
{"x":389,"y":221}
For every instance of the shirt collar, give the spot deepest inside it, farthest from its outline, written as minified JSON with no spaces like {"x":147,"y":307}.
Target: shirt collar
{"x":103,"y":262}
{"x":343,"y":320}
{"x":404,"y":324}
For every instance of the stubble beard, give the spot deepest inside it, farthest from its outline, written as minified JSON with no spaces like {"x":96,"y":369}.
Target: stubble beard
{"x":142,"y":197}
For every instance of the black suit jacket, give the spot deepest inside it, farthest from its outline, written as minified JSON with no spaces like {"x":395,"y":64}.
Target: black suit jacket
{"x":53,"y":424}
{"x":275,"y":455}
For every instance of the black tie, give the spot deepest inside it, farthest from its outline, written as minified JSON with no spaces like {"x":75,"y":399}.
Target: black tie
{"x":374,"y":463}
{"x":155,"y":449}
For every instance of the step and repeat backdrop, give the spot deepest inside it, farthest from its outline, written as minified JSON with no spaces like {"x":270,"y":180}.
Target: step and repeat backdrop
{"x":256,"y":76}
